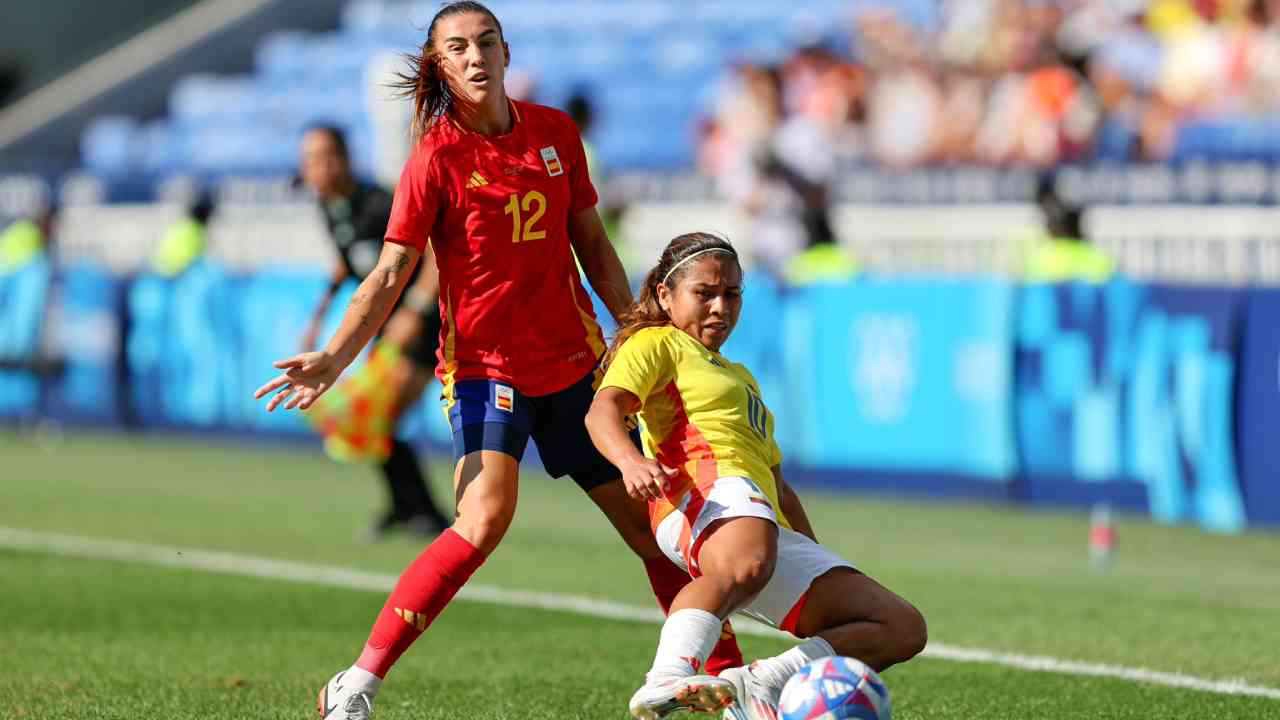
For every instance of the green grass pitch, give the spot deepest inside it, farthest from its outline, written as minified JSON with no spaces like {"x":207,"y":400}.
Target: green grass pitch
{"x":97,"y":639}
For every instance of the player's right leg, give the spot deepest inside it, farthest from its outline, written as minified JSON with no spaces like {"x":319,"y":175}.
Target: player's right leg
{"x":488,"y":443}
{"x":566,"y":449}
{"x":730,"y":546}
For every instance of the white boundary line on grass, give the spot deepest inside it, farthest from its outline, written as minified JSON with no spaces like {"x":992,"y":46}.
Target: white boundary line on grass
{"x":252,"y":566}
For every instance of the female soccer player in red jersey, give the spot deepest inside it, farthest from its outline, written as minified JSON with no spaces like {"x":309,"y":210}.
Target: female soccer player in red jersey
{"x":501,"y":190}
{"x":714,"y":483}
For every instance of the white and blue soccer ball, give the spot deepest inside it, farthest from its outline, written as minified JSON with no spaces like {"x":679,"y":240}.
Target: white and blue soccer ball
{"x":835,"y":688}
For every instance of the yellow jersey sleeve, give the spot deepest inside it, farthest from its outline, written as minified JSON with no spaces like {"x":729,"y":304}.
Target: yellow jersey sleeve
{"x":644,"y":363}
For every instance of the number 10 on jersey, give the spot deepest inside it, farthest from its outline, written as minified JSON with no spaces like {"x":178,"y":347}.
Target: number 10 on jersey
{"x":528,"y":230}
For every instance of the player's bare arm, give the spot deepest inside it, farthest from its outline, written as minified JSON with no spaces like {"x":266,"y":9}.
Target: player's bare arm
{"x":645,"y":479}
{"x":600,"y":261}
{"x":791,"y":508}
{"x":308,"y":375}
{"x":407,"y":322}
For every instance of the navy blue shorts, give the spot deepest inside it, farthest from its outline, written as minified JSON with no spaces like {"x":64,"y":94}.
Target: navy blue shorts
{"x":493,"y":415}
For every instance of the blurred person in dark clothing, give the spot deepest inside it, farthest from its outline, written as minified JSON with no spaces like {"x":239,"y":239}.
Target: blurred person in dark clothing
{"x":357,"y":214}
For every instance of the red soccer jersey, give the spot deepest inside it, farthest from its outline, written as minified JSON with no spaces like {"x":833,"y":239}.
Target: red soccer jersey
{"x":496,"y":210}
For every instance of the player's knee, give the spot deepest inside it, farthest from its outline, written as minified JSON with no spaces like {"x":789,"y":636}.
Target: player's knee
{"x":485,"y":526}
{"x":750,"y":575}
{"x":911,"y":633}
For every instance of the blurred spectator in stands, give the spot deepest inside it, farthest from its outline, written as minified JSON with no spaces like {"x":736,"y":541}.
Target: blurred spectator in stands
{"x":183,"y":243}
{"x":778,"y":167}
{"x":1063,"y":253}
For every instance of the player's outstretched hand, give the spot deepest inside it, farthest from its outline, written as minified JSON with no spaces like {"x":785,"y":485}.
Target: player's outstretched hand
{"x":306,"y":377}
{"x":647,"y":479}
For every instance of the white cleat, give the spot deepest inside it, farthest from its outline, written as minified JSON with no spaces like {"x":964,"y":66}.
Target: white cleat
{"x":753,"y":700}
{"x":695,"y":693}
{"x":338,"y":702}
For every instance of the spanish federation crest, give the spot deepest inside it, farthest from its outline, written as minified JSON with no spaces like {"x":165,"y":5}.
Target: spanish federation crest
{"x":552,"y":161}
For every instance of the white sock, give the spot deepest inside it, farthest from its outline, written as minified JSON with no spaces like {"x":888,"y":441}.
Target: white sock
{"x":775,"y":671}
{"x":686,"y":640}
{"x":357,"y":678}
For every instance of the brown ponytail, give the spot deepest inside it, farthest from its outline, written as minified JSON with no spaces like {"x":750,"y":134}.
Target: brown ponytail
{"x":647,"y":312}
{"x":423,"y":82}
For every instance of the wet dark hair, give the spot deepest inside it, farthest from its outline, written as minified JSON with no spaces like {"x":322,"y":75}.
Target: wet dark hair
{"x":423,"y":82}
{"x":647,"y":312}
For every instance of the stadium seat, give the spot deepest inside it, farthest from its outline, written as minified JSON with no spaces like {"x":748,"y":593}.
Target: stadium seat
{"x":107,"y":146}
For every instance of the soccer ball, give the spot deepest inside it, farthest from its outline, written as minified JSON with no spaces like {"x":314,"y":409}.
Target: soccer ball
{"x":835,"y":688}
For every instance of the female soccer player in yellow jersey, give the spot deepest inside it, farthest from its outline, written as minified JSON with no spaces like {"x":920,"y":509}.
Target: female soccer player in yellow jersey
{"x":714,"y":486}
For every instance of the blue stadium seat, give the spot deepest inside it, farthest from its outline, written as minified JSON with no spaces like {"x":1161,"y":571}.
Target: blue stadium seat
{"x":107,"y":146}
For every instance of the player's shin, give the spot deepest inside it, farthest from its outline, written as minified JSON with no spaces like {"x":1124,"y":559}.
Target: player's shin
{"x":667,"y":581}
{"x":686,"y":641}
{"x":423,"y":591}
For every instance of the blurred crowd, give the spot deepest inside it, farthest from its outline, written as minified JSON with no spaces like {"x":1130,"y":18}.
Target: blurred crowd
{"x":1011,"y":82}
{"x":1024,"y":83}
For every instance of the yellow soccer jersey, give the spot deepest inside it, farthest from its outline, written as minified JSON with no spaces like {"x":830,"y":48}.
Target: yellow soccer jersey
{"x":701,"y":414}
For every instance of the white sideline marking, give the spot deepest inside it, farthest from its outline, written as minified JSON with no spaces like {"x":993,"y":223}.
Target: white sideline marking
{"x":251,"y":566}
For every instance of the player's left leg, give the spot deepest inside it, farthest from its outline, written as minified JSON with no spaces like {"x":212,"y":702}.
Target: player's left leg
{"x":863,"y":619}
{"x":817,"y":595}
{"x":566,"y":449}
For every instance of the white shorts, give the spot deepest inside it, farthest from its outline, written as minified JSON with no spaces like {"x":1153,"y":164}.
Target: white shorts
{"x":800,"y":560}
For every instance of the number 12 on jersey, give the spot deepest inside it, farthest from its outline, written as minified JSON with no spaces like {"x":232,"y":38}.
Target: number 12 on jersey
{"x":526,"y":231}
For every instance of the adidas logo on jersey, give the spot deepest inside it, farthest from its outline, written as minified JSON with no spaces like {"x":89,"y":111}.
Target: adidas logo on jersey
{"x":477,"y":180}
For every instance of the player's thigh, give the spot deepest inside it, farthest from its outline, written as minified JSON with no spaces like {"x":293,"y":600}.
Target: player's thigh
{"x":740,"y":550}
{"x":486,"y":482}
{"x":560,"y":432}
{"x":490,"y":425}
{"x":843,"y":595}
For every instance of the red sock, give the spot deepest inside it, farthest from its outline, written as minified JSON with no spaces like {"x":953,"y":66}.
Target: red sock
{"x":424,"y":589}
{"x":667,"y":580}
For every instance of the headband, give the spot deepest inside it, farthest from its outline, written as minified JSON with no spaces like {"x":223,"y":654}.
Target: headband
{"x":726,"y":251}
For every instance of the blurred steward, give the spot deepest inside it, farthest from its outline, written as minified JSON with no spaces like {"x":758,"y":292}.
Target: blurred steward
{"x":184,"y":242}
{"x":360,"y":417}
{"x":27,"y":240}
{"x":1062,"y":253}
{"x":26,"y":250}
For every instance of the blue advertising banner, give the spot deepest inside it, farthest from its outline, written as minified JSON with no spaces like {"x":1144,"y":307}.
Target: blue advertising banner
{"x":182,"y":338}
{"x":85,"y":323}
{"x":1073,"y":362}
{"x":1181,"y":405}
{"x":904,"y":375}
{"x":1258,"y":408}
{"x":1124,"y":394}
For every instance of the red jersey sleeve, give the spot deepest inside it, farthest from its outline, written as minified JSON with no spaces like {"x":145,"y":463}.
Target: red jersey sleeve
{"x":417,"y":202}
{"x":582,"y":194}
